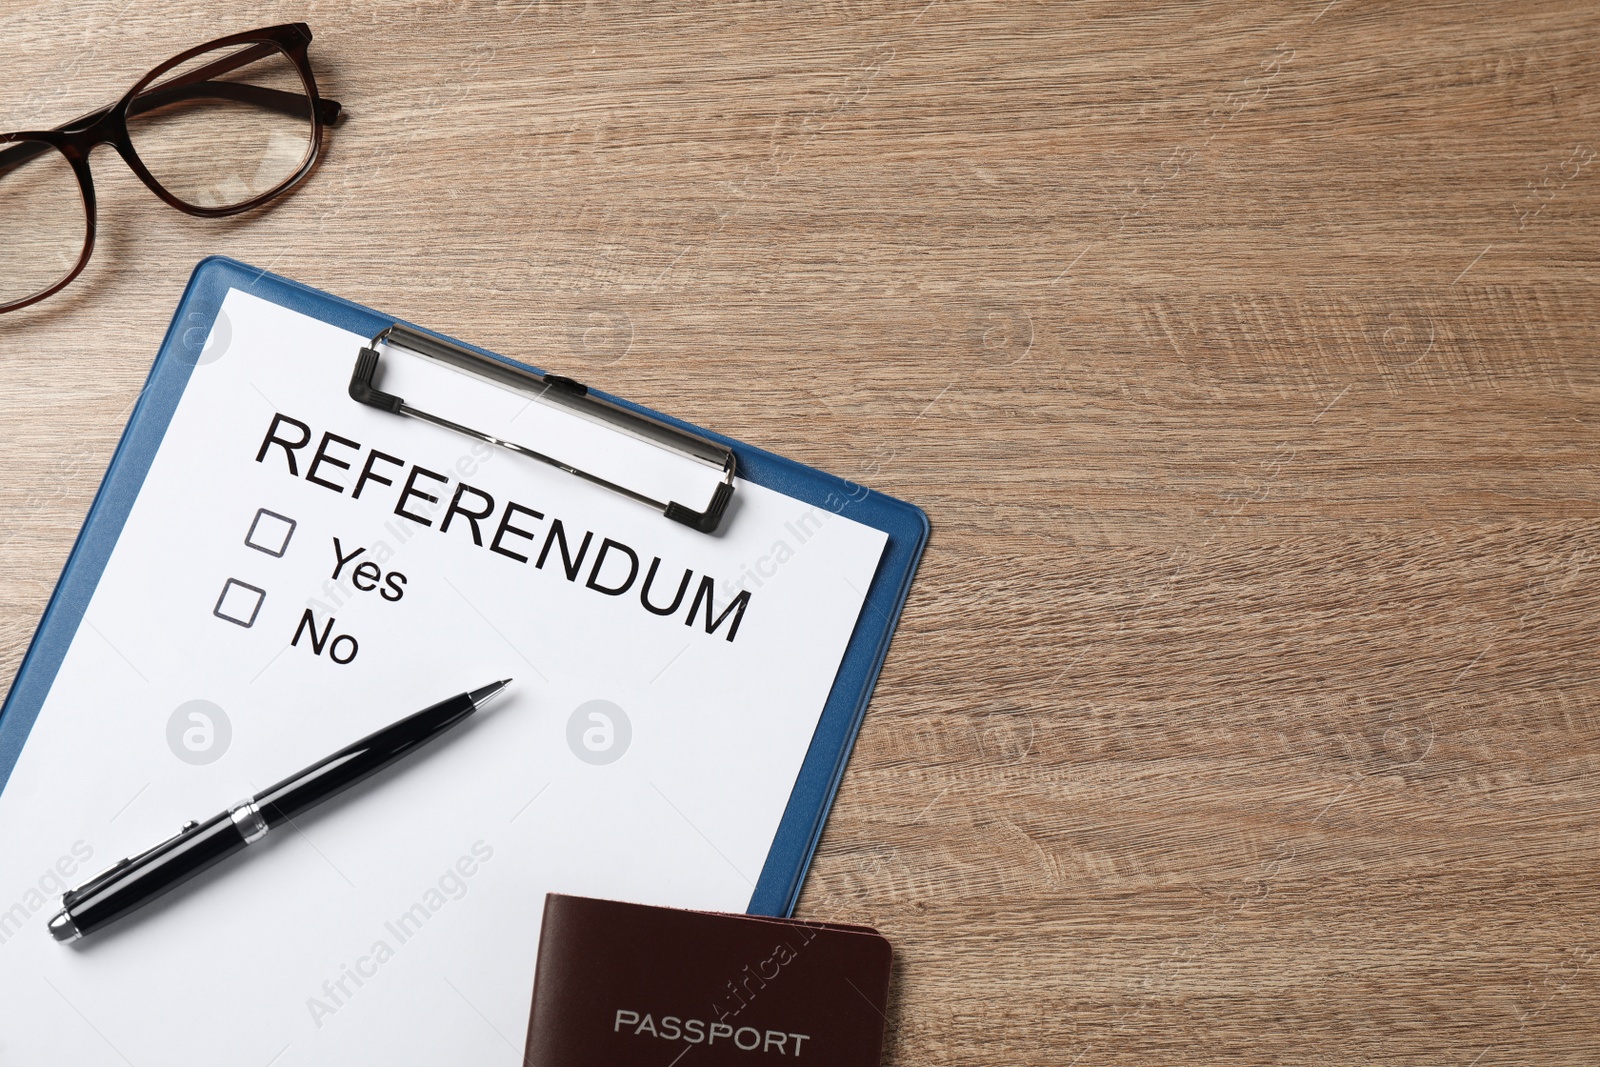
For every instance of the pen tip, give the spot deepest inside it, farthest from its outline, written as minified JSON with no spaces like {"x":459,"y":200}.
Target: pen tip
{"x":480,"y":696}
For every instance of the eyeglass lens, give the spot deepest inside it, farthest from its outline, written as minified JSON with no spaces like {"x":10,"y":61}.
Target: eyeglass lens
{"x":225,"y":127}
{"x":44,"y":224}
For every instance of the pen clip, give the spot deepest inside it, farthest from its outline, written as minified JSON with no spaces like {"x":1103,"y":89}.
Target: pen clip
{"x":71,"y":896}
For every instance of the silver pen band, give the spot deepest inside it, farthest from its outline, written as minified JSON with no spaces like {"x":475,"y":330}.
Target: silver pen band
{"x":247,"y":819}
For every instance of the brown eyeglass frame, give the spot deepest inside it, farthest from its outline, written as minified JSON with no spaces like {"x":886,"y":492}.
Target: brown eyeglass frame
{"x":109,"y":125}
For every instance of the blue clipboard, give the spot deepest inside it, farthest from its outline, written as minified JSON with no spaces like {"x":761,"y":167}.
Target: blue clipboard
{"x":783,"y":874}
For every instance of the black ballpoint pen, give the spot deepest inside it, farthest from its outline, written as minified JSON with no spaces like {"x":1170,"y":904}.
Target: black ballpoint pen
{"x":139,"y":879}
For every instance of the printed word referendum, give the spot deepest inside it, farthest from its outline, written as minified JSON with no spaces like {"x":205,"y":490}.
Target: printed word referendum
{"x":613,"y":568}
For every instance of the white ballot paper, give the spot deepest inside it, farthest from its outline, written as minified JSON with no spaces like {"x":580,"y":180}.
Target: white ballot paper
{"x":258,"y":613}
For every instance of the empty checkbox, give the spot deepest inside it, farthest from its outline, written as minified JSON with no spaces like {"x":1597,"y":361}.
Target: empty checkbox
{"x":239,"y":603}
{"x":270,"y":533}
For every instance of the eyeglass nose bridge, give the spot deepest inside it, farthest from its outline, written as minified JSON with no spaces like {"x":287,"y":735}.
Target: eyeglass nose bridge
{"x":96,"y":128}
{"x":84,"y":135}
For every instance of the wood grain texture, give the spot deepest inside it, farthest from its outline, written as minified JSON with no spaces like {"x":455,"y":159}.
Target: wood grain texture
{"x":1242,"y":354}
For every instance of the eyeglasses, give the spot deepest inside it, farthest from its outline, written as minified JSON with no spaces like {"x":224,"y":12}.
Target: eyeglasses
{"x":213,"y":131}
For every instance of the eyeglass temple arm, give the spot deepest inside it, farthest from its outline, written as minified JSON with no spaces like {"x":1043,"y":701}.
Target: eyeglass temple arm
{"x":276,"y":99}
{"x":191,"y":86}
{"x":279,"y":100}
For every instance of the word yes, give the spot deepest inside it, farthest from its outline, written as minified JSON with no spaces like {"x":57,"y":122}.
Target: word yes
{"x":369,"y":573}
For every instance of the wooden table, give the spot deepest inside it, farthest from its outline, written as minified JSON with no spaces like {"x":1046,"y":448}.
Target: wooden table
{"x":1243,"y":356}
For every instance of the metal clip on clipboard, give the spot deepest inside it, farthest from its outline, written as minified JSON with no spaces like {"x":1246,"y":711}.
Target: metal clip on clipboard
{"x":560,"y":392}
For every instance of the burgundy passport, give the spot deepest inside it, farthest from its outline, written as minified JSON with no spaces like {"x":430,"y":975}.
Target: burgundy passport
{"x":628,"y":985}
